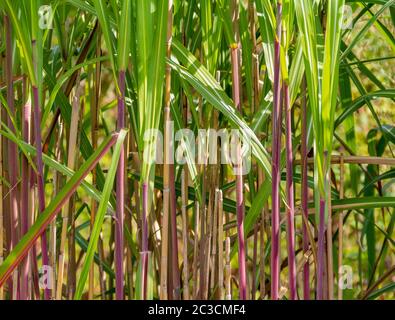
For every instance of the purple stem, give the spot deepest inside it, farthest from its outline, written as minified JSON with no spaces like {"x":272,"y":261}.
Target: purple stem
{"x":26,"y":116}
{"x":290,"y":196}
{"x":120,"y":190}
{"x":239,"y":181}
{"x":33,"y":251}
{"x":12,"y":150}
{"x":276,"y":152}
{"x":40,"y":179}
{"x":321,"y":252}
{"x":306,"y":267}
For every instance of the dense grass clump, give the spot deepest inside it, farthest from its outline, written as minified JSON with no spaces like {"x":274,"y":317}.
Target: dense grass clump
{"x":168,"y":149}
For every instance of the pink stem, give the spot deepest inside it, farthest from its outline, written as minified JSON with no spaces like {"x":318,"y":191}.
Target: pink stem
{"x":276,"y":152}
{"x":120,"y":193}
{"x":12,"y":149}
{"x":306,"y":267}
{"x":239,"y":181}
{"x":291,"y":200}
{"x":40,"y":178}
{"x":26,"y":115}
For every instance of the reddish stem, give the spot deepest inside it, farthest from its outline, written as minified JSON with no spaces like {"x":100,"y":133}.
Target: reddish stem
{"x":120,"y":193}
{"x":239,"y":180}
{"x":276,"y":153}
{"x":26,"y":116}
{"x":12,"y":149}
{"x":304,"y":195}
{"x":290,"y":197}
{"x":40,"y":179}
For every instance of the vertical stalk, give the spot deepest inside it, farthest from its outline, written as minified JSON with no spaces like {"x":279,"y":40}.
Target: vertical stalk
{"x":32,"y":203}
{"x":12,"y":150}
{"x":202,"y":243}
{"x":73,"y":261}
{"x":214,"y":243}
{"x":195,"y":278}
{"x":340,"y":235}
{"x":239,"y":178}
{"x":166,"y":165}
{"x":262,"y":262}
{"x":228,"y":271}
{"x":206,"y":257}
{"x":329,"y":245}
{"x":304,"y":196}
{"x":95,"y":130}
{"x":254,"y":262}
{"x":26,"y":116}
{"x":144,"y":243}
{"x":220,"y":291}
{"x":290,"y":196}
{"x":39,"y":160}
{"x":184,"y":196}
{"x":173,"y":232}
{"x":57,"y":183}
{"x":120,"y":193}
{"x":255,"y":56}
{"x":276,"y":153}
{"x":321,"y":251}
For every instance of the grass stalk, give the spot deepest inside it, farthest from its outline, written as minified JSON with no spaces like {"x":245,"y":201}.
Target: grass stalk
{"x":262,"y":260}
{"x":40,"y":175}
{"x":144,"y":241}
{"x":254,"y":262}
{"x":140,"y":228}
{"x":305,"y":197}
{"x":220,"y":283}
{"x":184,"y":196}
{"x":321,"y":252}
{"x":173,"y":233}
{"x":340,"y":228}
{"x":239,"y":178}
{"x":214,"y":244}
{"x":120,"y":194}
{"x":166,"y":168}
{"x":12,"y":150}
{"x":95,"y":130}
{"x":228,"y":271}
{"x":329,"y":248}
{"x":290,"y":196}
{"x":195,"y":278}
{"x":26,"y":117}
{"x":58,"y":181}
{"x":276,"y":149}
